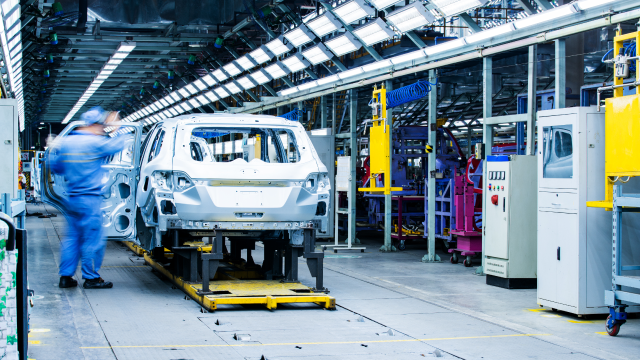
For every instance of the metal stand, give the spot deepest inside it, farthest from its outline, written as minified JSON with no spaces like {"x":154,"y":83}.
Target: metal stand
{"x":614,"y":298}
{"x":350,"y":212}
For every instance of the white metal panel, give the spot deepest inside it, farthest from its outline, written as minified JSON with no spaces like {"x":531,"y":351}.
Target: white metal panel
{"x":9,"y":144}
{"x":496,"y":229}
{"x":324,"y":146}
{"x":558,"y":200}
{"x":567,"y":238}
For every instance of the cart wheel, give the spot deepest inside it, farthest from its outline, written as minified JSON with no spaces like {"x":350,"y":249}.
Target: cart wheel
{"x":401,"y":245}
{"x":614,"y":330}
{"x":453,"y":259}
{"x":466,"y":263}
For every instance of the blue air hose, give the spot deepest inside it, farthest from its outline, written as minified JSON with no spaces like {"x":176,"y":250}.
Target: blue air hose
{"x":408,"y":93}
{"x":629,"y":49}
{"x":294,"y":115}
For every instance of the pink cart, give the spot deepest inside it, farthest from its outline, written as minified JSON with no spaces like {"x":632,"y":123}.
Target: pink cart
{"x":469,"y":241}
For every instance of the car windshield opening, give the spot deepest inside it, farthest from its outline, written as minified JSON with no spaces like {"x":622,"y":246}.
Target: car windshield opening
{"x":226,"y":144}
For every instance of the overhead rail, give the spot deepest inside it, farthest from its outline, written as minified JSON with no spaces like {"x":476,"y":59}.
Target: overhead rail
{"x":512,"y":35}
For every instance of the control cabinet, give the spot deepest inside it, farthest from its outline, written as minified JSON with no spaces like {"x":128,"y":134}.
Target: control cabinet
{"x":510,"y":221}
{"x":574,"y":241}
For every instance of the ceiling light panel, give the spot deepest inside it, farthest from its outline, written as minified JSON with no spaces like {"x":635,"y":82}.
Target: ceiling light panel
{"x":200,"y":85}
{"x":211,"y":96}
{"x":209,"y":80}
{"x":278,"y":47}
{"x":325,"y":24}
{"x":411,"y":17}
{"x":232,"y":87}
{"x":295,"y":62}
{"x":277,"y":70}
{"x":231,"y":69}
{"x":374,"y":32}
{"x":221,"y":92}
{"x":219,"y":75}
{"x":383,"y":4}
{"x":261,"y":55}
{"x":299,"y":36}
{"x":246,"y":83}
{"x":454,"y":7}
{"x":317,"y":54}
{"x":194,"y":103}
{"x":245,"y":62}
{"x":260,"y":77}
{"x":203,"y":100}
{"x":183,"y":92}
{"x":353,"y":11}
{"x":343,"y":44}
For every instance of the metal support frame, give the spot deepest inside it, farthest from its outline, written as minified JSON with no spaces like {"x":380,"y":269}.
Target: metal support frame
{"x":431,"y":256}
{"x":532,"y":100}
{"x":388,"y":200}
{"x":351,"y":193}
{"x":560,"y":98}
{"x":487,"y":132}
{"x":615,"y":297}
{"x":323,"y":112}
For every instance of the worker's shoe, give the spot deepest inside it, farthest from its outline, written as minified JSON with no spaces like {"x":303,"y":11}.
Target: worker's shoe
{"x":97,"y":284}
{"x":67,"y":282}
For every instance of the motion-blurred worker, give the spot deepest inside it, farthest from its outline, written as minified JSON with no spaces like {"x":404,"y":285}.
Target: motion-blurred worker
{"x":79,"y":157}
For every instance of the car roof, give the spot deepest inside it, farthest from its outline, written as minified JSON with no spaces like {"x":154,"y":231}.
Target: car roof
{"x":228,"y":119}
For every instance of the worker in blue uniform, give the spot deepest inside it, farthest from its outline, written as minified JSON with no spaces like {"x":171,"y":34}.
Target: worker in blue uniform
{"x":79,"y":157}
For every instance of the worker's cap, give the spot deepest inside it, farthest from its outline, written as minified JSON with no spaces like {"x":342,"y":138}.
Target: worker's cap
{"x":95,"y":115}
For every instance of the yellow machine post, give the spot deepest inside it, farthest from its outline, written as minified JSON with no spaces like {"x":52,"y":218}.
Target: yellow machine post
{"x":622,"y":129}
{"x":379,"y":146}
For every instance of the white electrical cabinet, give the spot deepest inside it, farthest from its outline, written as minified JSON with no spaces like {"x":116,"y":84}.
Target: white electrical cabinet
{"x":323,"y":143}
{"x":574,"y":241}
{"x":9,"y":143}
{"x":510,"y":221}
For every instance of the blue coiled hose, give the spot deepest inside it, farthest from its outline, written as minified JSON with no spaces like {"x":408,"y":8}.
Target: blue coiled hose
{"x":294,"y":115}
{"x":408,"y":93}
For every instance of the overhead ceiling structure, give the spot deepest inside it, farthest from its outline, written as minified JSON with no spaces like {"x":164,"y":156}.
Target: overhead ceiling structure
{"x":244,"y":57}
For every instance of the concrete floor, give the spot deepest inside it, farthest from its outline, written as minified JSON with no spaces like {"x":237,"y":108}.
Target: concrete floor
{"x":390,"y":306}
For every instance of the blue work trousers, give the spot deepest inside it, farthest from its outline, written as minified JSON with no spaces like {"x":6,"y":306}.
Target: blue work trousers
{"x":84,"y":236}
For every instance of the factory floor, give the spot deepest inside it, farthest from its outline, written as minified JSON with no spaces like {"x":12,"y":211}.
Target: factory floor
{"x":389,"y":306}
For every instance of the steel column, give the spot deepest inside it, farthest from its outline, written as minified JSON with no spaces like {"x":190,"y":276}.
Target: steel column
{"x":323,"y":112}
{"x":532,"y":99}
{"x":560,"y":97}
{"x":388,"y":200}
{"x":353,"y":110}
{"x":431,"y":221}
{"x":487,"y":133}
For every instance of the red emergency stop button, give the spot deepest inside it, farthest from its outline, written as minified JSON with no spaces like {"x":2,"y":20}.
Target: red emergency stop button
{"x":494,"y":199}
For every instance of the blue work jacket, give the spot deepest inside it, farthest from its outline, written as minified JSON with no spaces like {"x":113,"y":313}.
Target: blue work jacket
{"x":80,"y":159}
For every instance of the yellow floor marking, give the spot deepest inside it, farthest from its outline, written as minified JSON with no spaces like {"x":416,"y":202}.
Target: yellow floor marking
{"x":315,"y":343}
{"x":602,"y":333}
{"x":34,"y":342}
{"x":551,"y":316}
{"x":581,"y":321}
{"x":39,"y":330}
{"x":538,"y":310}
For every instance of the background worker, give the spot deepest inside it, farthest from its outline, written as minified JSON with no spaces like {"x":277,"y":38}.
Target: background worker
{"x":79,"y":157}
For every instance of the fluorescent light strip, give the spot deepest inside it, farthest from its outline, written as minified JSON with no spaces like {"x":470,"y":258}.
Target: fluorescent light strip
{"x":232,"y":87}
{"x":546,"y":16}
{"x":200,"y":85}
{"x":209,"y":80}
{"x":246,"y":83}
{"x":124,"y":48}
{"x":489,"y":33}
{"x":419,"y":54}
{"x":449,"y":45}
{"x":221,"y":92}
{"x":211,"y":96}
{"x":219,"y":75}
{"x":277,"y":70}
